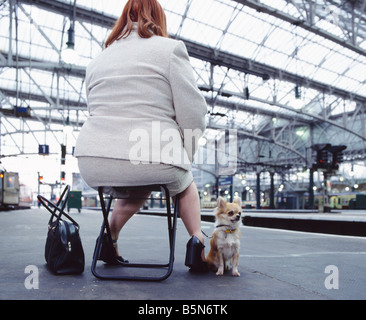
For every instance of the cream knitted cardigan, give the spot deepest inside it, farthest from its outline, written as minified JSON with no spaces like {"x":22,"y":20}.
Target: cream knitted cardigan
{"x":142,"y":97}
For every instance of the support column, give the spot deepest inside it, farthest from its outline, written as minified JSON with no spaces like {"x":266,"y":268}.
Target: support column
{"x":258,"y":193}
{"x":10,"y":48}
{"x":271,"y":192}
{"x":311,"y":188}
{"x":325,"y":193}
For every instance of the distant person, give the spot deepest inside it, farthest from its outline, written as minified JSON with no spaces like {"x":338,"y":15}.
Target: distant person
{"x":146,"y":116}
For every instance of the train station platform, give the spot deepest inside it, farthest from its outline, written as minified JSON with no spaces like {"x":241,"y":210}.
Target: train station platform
{"x":275,"y":264}
{"x":346,"y":222}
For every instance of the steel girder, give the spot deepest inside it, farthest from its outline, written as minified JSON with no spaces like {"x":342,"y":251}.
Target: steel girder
{"x":266,"y":133}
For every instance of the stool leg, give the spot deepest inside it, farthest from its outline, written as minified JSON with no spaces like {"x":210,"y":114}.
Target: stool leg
{"x":169,"y":215}
{"x":105,"y":227}
{"x":172,"y":224}
{"x":172,"y":235}
{"x":105,"y":211}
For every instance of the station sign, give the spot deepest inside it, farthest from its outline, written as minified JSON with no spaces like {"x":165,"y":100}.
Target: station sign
{"x":225,"y":180}
{"x":43,"y":149}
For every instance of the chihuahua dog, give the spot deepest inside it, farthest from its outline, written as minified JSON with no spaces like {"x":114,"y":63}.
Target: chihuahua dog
{"x":225,"y":241}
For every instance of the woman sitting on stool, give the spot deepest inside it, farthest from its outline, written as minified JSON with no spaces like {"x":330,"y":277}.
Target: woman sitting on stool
{"x":146,"y":115}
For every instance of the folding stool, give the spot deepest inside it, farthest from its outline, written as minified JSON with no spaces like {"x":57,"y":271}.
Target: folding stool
{"x":172,"y":222}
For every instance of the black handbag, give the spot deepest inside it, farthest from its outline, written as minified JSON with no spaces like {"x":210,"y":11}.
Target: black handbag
{"x":64,"y":252}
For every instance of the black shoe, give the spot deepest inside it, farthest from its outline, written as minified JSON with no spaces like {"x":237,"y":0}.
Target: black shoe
{"x":108,"y":253}
{"x":193,"y":256}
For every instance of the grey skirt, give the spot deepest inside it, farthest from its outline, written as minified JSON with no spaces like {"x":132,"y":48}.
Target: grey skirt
{"x":107,"y":172}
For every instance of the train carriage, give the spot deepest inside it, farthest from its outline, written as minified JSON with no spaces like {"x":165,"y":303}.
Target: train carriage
{"x":9,"y":189}
{"x":13,"y":195}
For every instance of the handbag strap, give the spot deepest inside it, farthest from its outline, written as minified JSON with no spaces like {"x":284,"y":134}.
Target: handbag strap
{"x":61,"y":201}
{"x":55,"y":209}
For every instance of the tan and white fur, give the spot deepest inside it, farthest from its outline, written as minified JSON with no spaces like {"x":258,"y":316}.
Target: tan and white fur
{"x":225,"y":241}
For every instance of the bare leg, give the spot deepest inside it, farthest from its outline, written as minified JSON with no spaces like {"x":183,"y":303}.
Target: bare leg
{"x":123,"y":210}
{"x":190,"y":212}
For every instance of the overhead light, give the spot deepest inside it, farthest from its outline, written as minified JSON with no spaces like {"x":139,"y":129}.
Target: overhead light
{"x":69,"y":55}
{"x":297,"y":92}
{"x":351,"y":173}
{"x":246,"y":93}
{"x":67,"y":128}
{"x":297,"y":103}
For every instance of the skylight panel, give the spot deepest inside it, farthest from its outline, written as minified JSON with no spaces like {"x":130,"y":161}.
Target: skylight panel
{"x":238,"y":46}
{"x":282,"y":40}
{"x":349,"y":84}
{"x":306,"y":69}
{"x":173,"y":22}
{"x":326,"y":76}
{"x":261,"y":92}
{"x":357,"y":72}
{"x":7,"y":78}
{"x":37,"y":37}
{"x":201,"y":33}
{"x":214,"y":14}
{"x":254,"y":33}
{"x":201,"y":71}
{"x":245,"y":24}
{"x":42,"y":17}
{"x":270,"y":57}
{"x":278,"y":4}
{"x":108,"y":7}
{"x":312,"y":52}
{"x":337,"y":62}
{"x":331,"y":27}
{"x":177,"y":7}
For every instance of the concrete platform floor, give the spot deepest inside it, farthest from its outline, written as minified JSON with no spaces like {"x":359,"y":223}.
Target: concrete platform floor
{"x":274,"y":264}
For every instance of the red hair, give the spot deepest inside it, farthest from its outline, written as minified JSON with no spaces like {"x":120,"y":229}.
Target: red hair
{"x":148,"y":14}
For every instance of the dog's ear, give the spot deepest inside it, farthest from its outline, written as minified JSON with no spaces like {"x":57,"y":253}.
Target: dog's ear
{"x":221,"y":202}
{"x":238,"y":201}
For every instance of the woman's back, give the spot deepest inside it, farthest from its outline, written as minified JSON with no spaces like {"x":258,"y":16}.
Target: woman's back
{"x":134,"y":84}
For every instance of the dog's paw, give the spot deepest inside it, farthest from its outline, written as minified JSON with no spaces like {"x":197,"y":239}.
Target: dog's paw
{"x":220,"y":272}
{"x":236,"y":273}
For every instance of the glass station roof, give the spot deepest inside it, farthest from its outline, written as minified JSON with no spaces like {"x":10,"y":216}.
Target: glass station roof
{"x":319,"y":47}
